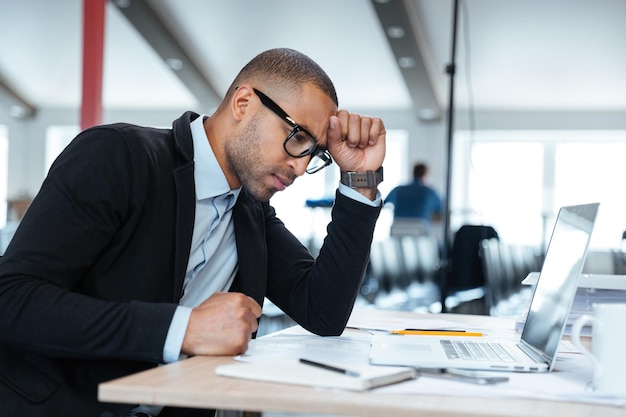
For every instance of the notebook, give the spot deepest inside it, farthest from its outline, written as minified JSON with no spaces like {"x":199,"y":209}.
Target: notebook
{"x":545,"y":320}
{"x":361,"y":377}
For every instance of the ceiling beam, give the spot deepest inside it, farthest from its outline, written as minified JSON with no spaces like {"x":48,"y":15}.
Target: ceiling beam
{"x":18,"y":106}
{"x":403,"y":38}
{"x":143,"y":17}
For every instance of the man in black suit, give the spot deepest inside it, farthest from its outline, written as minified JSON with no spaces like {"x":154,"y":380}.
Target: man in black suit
{"x":147,"y":244}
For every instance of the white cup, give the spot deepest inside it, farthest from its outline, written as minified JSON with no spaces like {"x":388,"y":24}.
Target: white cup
{"x":608,"y":339}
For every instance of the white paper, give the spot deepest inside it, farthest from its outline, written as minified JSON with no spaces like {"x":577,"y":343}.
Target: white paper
{"x":569,"y":381}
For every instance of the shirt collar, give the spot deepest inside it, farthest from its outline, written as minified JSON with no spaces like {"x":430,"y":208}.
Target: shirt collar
{"x":209,"y":178}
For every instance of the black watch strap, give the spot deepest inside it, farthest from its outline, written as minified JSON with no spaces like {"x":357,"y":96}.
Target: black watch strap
{"x":367,"y":179}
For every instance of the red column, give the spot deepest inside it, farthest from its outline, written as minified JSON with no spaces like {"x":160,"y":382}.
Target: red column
{"x":93,"y":60}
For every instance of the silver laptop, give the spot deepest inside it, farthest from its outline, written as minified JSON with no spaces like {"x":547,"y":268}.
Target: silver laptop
{"x":545,"y":321}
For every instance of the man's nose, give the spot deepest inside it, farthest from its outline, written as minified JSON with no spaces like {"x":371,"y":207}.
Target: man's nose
{"x":300,"y":164}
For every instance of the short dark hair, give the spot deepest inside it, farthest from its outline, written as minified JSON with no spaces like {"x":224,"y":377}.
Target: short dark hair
{"x":420,"y":170}
{"x":284,"y":68}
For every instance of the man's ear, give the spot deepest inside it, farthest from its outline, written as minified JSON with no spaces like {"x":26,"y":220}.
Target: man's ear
{"x":240,"y":102}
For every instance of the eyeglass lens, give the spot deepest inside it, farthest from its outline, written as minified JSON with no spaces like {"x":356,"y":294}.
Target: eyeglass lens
{"x":318,"y":161}
{"x":299,"y":143}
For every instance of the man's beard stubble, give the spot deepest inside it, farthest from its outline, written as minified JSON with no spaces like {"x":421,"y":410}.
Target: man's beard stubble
{"x":242,"y":154}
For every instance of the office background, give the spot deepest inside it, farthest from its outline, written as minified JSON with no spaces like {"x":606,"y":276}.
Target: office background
{"x":540,"y":93}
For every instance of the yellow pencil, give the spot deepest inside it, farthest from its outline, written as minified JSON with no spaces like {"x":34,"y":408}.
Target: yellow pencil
{"x":436,"y":332}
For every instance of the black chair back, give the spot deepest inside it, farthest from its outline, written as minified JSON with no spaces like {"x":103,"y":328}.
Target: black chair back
{"x":466,"y":267}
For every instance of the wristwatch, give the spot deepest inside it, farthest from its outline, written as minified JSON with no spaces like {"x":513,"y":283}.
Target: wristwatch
{"x":366,"y":179}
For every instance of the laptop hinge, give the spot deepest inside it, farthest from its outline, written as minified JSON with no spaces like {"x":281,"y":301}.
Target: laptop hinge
{"x":533,"y":353}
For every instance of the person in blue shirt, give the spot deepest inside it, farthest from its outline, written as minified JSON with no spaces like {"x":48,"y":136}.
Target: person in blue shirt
{"x":415,"y":200}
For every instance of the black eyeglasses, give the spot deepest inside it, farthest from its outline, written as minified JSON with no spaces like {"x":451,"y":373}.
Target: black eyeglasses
{"x":299,"y":142}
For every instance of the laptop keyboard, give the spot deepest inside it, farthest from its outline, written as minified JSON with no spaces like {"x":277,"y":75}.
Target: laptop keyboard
{"x":481,"y":351}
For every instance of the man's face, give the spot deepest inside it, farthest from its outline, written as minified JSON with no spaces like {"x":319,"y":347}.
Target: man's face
{"x":257,"y":154}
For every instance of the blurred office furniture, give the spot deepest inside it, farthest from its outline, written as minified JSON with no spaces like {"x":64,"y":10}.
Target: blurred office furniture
{"x":402,"y":273}
{"x":16,"y":207}
{"x":273,"y":319}
{"x":619,"y":257}
{"x":592,"y":288}
{"x":464,"y":279}
{"x":619,"y":262}
{"x":409,"y":227}
{"x":320,"y":209}
{"x":601,"y":261}
{"x":505,"y":267}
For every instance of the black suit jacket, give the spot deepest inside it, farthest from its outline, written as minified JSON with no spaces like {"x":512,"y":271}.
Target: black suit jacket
{"x":92,"y":277}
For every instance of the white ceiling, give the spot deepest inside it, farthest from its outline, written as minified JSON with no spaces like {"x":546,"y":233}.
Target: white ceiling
{"x":511,"y":54}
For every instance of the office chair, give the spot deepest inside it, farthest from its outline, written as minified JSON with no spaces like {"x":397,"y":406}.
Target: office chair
{"x":465,"y":270}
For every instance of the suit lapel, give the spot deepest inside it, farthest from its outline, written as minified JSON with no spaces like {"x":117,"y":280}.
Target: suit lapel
{"x":251,"y":248}
{"x":185,"y":196}
{"x":185,"y":200}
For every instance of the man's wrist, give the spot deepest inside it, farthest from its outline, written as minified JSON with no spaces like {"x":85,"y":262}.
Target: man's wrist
{"x":363,"y":179}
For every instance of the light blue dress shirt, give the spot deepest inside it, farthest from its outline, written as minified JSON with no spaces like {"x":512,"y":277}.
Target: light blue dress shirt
{"x":212,"y":264}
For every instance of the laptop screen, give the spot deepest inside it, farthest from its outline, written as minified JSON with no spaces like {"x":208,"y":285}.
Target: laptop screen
{"x":558,"y":280}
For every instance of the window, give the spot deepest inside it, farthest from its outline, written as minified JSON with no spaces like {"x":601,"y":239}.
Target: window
{"x":516,"y":181}
{"x":590,"y":172}
{"x":498,"y":182}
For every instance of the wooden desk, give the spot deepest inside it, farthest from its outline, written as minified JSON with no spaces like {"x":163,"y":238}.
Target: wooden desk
{"x":193,"y":383}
